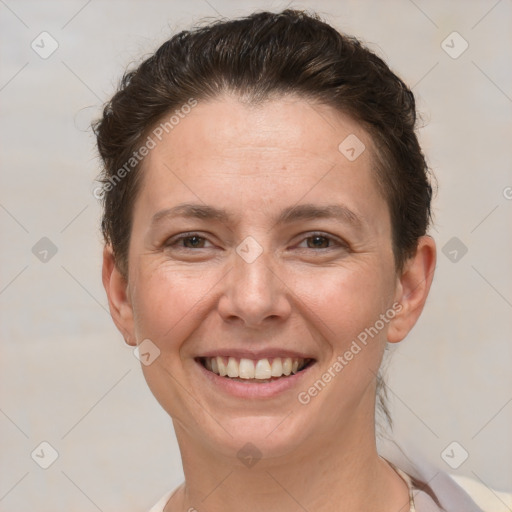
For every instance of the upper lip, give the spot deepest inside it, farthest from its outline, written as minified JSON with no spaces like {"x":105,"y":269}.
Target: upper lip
{"x":256,"y":354}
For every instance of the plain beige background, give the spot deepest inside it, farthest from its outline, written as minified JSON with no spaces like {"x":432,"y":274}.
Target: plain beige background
{"x":66,"y":376}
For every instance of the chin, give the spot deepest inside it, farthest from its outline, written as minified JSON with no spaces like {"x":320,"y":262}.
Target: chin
{"x":263,"y":436}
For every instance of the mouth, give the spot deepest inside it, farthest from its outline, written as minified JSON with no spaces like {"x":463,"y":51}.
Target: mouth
{"x":260,"y":371}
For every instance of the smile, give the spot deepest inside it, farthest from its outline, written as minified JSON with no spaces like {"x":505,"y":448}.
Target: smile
{"x":249,"y":370}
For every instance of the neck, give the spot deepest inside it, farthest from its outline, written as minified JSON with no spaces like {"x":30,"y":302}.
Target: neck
{"x":339,"y":472}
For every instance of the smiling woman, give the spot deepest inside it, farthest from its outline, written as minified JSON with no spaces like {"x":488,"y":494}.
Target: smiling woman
{"x":262,"y":254}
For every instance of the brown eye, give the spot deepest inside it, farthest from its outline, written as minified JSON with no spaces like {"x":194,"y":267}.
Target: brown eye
{"x":319,"y":242}
{"x":187,"y":241}
{"x":195,"y":241}
{"x":322,"y":241}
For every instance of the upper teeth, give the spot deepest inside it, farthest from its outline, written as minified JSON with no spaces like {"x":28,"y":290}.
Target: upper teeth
{"x":249,"y":369}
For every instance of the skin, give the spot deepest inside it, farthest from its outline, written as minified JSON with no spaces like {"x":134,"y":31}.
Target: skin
{"x":298,"y":295}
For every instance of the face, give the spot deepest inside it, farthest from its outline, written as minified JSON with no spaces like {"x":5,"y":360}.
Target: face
{"x":284,"y":264}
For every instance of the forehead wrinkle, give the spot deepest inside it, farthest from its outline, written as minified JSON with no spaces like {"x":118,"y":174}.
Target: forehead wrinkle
{"x":286,"y":216}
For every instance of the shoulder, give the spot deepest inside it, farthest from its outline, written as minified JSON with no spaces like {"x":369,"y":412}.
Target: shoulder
{"x":438,"y":491}
{"x":488,"y":499}
{"x":452,"y":493}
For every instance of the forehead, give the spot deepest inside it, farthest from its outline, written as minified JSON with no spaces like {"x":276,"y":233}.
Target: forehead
{"x":225,"y":125}
{"x":225,"y":152}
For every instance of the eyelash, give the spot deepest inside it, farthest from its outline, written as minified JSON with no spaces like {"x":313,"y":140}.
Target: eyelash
{"x":173,"y":242}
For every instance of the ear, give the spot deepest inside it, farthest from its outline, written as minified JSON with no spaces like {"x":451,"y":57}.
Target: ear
{"x":119,"y":301}
{"x":412,"y":289}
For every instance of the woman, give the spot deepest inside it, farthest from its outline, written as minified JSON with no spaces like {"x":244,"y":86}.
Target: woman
{"x":266,"y":206}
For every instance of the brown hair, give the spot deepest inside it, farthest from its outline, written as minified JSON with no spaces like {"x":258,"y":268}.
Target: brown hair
{"x":261,"y":56}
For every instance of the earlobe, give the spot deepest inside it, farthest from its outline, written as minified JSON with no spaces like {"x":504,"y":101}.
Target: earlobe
{"x":412,"y":288}
{"x":119,"y":300}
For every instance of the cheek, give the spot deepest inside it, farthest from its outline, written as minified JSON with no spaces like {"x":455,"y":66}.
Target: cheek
{"x":166,"y":306}
{"x":343,"y":302}
{"x":164,"y":303}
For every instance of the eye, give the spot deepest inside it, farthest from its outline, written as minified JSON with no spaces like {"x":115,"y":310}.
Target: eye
{"x":194,"y":241}
{"x":320,"y":240}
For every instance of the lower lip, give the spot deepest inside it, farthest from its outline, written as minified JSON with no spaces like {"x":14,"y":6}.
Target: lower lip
{"x":253,"y":389}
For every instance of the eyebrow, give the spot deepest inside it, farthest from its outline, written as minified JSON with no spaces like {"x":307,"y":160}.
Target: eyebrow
{"x":288,"y":215}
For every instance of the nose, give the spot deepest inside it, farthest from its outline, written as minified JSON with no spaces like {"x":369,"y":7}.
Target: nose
{"x":255,"y":294}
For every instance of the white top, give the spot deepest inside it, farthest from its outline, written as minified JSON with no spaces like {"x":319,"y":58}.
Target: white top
{"x":159,"y":507}
{"x":451,"y":496}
